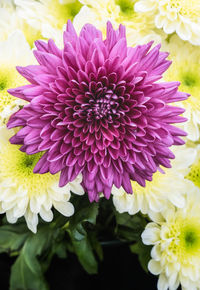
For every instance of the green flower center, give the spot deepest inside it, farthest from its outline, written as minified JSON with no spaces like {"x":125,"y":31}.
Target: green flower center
{"x":126,"y":6}
{"x":9,"y":78}
{"x":18,"y":166}
{"x":184,"y":233}
{"x":194,"y":174}
{"x":189,"y":79}
{"x":28,"y":162}
{"x":6,"y":80}
{"x":62,"y":12}
{"x":190,"y":238}
{"x":3,"y":84}
{"x":31,"y":34}
{"x":188,"y":73}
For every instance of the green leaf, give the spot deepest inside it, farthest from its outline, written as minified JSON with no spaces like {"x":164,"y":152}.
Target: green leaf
{"x":96,"y":245}
{"x":27,"y":271}
{"x":12,"y":237}
{"x":129,"y":227}
{"x":79,"y":226}
{"x":143,"y":253}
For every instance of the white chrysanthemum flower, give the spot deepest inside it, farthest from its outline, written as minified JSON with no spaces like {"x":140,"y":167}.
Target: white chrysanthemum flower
{"x":186,"y":68}
{"x":175,"y":237}
{"x":180,"y":16}
{"x":138,"y":28}
{"x":47,"y":15}
{"x":10,"y":21}
{"x":24,"y":193}
{"x":14,"y":51}
{"x":194,"y":173}
{"x":165,"y":188}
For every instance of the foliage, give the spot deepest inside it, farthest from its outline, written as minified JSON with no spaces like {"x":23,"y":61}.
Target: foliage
{"x":85,"y":233}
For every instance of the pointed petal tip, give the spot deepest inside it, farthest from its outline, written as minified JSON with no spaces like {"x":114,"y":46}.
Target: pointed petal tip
{"x":11,"y":91}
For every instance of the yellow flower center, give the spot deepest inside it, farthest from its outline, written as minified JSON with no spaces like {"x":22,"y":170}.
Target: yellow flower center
{"x":194,"y":174}
{"x":18,"y":166}
{"x":126,"y":6}
{"x":9,"y":78}
{"x":31,"y":34}
{"x":188,"y":73}
{"x":63,"y":12}
{"x":185,"y":239}
{"x":190,"y":238}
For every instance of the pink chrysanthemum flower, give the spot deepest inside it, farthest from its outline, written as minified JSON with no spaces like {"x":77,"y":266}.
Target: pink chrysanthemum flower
{"x":96,"y":109}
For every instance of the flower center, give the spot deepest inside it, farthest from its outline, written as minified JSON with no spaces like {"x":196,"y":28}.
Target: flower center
{"x":62,"y":12}
{"x":187,"y":8}
{"x":189,"y":80}
{"x":190,"y":237}
{"x":184,"y":236}
{"x":3,"y":84}
{"x":9,"y":78}
{"x":6,"y":81}
{"x":126,"y":6}
{"x":18,"y":167}
{"x":30,"y":33}
{"x":194,"y":174}
{"x":189,"y":75}
{"x":104,"y":106}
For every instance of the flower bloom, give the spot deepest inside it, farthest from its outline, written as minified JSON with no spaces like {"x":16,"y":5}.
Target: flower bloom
{"x":139,"y":29}
{"x":180,"y":16}
{"x":162,"y":190}
{"x":194,"y":173}
{"x":95,"y":108}
{"x":185,"y":68}
{"x":23,"y":193}
{"x":47,"y":17}
{"x":175,"y":237}
{"x":13,"y":51}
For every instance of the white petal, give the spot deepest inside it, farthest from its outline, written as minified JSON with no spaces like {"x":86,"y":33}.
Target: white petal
{"x":31,"y":220}
{"x":10,"y":217}
{"x":65,"y":208}
{"x":144,"y":6}
{"x":177,"y":199}
{"x":47,"y":216}
{"x":156,"y":252}
{"x":76,"y":188}
{"x":35,"y":205}
{"x":160,"y":21}
{"x":151,"y":235}
{"x":162,"y":282}
{"x":154,"y":267}
{"x":19,"y":211}
{"x":183,"y":31}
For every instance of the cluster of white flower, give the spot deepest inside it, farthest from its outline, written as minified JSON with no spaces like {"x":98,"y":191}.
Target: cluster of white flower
{"x":172,"y":199}
{"x":24,"y":193}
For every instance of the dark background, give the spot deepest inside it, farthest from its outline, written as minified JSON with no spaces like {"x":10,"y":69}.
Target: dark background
{"x":119,"y":270}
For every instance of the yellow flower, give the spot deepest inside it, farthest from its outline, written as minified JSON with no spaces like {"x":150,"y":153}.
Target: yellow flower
{"x":14,"y":51}
{"x":46,"y":17}
{"x":24,"y":193}
{"x":186,"y":69}
{"x":180,"y":16}
{"x":138,"y":28}
{"x":194,"y":173}
{"x":165,"y":188}
{"x":10,"y":21}
{"x":175,"y":237}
